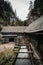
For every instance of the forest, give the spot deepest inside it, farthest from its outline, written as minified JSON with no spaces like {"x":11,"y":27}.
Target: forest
{"x":9,"y":18}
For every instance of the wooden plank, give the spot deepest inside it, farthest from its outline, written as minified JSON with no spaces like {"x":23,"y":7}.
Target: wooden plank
{"x":22,"y":48}
{"x":23,"y":44}
{"x":16,"y":49}
{"x":24,"y":52}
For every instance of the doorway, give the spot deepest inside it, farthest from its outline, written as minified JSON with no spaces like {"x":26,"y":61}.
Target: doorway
{"x":11,"y":39}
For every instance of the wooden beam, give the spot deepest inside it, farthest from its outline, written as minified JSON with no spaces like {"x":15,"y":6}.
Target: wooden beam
{"x":24,"y":52}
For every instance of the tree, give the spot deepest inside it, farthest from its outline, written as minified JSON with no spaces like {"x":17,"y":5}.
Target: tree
{"x":38,"y":5}
{"x":35,"y":12}
{"x":6,"y":12}
{"x":30,"y":9}
{"x":25,"y":23}
{"x":31,"y":6}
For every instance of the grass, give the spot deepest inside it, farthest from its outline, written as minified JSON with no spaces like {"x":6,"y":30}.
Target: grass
{"x":7,"y":53}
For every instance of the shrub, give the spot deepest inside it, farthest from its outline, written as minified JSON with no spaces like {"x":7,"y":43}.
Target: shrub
{"x":0,"y":27}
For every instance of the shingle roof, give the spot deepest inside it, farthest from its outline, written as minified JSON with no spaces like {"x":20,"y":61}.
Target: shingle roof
{"x":18,"y":29}
{"x":35,"y":26}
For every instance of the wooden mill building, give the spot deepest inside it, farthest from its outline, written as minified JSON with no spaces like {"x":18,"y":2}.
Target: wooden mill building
{"x":10,"y":33}
{"x":32,"y":32}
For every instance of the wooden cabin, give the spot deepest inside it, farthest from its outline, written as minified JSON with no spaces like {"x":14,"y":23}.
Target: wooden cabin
{"x":34,"y":31}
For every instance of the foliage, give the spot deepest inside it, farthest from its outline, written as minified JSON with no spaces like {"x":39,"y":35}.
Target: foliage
{"x":6,"y":57}
{"x":7,"y":14}
{"x":38,"y":5}
{"x":35,"y":12}
{"x":38,"y":8}
{"x":0,"y":27}
{"x":25,"y":23}
{"x":6,"y":11}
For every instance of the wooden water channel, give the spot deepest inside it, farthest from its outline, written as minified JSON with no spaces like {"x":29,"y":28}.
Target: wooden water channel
{"x":24,"y":55}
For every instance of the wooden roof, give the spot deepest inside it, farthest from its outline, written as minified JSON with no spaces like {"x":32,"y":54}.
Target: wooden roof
{"x":15,"y":29}
{"x":33,"y":27}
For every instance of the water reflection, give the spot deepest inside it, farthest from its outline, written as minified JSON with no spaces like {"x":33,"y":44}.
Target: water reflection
{"x":23,"y":55}
{"x":23,"y":47}
{"x":23,"y":50}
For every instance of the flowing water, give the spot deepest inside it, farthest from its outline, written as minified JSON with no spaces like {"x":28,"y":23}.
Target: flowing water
{"x":23,"y":57}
